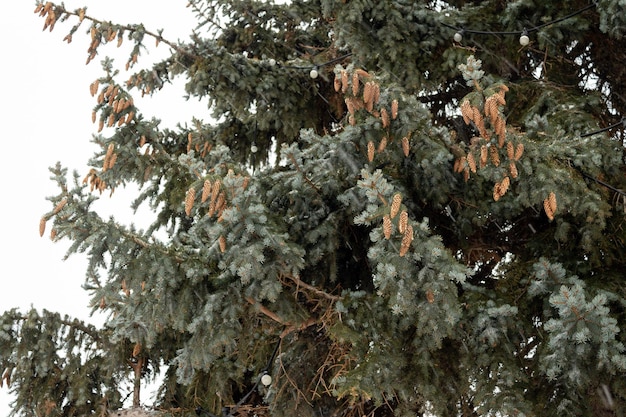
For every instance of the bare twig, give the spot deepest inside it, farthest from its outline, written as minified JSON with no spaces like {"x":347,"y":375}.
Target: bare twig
{"x":311,"y":288}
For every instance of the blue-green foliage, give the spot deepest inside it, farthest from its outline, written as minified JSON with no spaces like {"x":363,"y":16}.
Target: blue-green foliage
{"x":350,"y":246}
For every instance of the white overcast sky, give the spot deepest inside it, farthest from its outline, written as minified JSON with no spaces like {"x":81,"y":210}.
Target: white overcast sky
{"x":45,"y":118}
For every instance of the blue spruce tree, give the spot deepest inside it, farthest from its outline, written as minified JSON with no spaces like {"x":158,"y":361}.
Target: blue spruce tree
{"x":390,"y":208}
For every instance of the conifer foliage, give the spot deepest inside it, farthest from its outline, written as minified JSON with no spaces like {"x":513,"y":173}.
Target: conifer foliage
{"x":381,"y":213}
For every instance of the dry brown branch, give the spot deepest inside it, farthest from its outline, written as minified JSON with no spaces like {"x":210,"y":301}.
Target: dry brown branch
{"x":265,"y":311}
{"x":291,"y":328}
{"x":301,"y":284}
{"x":336,"y":358}
{"x":293,"y":383}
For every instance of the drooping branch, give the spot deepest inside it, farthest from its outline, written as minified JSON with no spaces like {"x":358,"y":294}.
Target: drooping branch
{"x":101,"y":30}
{"x":75,"y":324}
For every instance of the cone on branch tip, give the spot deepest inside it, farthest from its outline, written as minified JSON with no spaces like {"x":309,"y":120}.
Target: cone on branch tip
{"x":396,"y":201}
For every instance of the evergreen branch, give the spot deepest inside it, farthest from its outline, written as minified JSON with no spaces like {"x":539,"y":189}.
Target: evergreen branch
{"x":59,"y":10}
{"x":332,"y":61}
{"x":297,"y":167}
{"x":206,"y":18}
{"x":87,"y":329}
{"x":76,"y":324}
{"x":520,"y":32}
{"x":145,"y":245}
